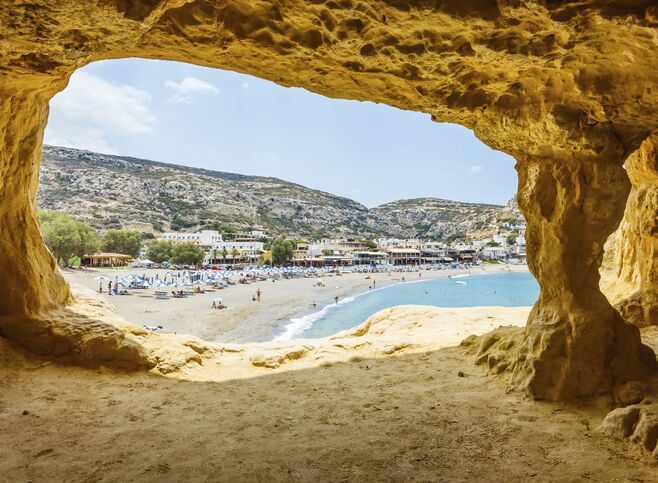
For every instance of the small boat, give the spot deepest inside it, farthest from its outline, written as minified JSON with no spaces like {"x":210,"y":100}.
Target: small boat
{"x":461,"y":283}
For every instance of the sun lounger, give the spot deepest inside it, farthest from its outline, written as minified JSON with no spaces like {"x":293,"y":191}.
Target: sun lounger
{"x":161,"y":295}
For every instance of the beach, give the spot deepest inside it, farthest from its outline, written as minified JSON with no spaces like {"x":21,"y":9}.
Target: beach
{"x":245,"y":320}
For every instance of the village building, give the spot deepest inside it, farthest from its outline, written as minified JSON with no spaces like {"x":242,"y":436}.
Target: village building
{"x":105,"y":260}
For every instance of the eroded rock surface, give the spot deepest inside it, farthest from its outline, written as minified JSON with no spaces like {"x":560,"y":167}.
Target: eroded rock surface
{"x":568,"y":88}
{"x":639,"y":423}
{"x":630,"y":268}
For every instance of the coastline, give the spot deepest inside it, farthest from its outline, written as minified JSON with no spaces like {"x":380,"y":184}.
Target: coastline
{"x":282,"y":302}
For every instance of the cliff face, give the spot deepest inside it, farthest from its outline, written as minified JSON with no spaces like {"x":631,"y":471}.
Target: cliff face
{"x":568,"y":88}
{"x":630,"y":267}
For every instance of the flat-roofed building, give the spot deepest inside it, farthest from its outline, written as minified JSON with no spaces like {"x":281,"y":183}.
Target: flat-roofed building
{"x":404,"y":256}
{"x":105,"y":260}
{"x":370,"y":258}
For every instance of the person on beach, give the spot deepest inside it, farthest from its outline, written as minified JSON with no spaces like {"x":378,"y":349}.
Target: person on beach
{"x":100,"y":287}
{"x":109,"y":287}
{"x":258,"y":295}
{"x":336,"y":299}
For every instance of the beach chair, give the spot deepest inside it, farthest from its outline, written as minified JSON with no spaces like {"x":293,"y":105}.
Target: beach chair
{"x":161,"y":295}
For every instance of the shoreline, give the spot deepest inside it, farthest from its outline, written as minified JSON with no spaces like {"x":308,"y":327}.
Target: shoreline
{"x":298,"y":324}
{"x":282,"y":303}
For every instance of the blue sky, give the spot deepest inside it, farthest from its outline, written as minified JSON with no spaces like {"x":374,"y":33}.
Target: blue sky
{"x":208,"y":118}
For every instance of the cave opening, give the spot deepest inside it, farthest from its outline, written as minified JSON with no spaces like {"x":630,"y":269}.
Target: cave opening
{"x":236,"y":155}
{"x":541,"y":91}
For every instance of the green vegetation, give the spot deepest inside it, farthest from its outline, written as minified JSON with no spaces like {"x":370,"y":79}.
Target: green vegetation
{"x":493,"y":243}
{"x":159,"y":251}
{"x":282,"y":251}
{"x":67,"y":238}
{"x":179,"y":222}
{"x":511,"y":238}
{"x":127,"y":242}
{"x":371,"y":244}
{"x":187,"y":254}
{"x":512,"y":221}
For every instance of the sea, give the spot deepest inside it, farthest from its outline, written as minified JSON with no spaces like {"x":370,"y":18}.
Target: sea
{"x":508,"y":289}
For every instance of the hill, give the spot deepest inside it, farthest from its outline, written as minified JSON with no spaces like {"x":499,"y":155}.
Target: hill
{"x":123,"y":192}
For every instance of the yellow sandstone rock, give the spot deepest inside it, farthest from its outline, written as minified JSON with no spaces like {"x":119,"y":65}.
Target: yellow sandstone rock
{"x":567,"y":88}
{"x":630,"y":268}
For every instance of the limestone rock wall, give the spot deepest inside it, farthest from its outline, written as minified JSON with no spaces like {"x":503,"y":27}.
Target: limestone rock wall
{"x":630,"y":268}
{"x":568,"y":88}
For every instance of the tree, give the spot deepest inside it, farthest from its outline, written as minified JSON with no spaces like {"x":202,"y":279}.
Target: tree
{"x":187,"y":254}
{"x":122,"y":241}
{"x":493,"y":243}
{"x":224,"y":254}
{"x":159,"y":251}
{"x":229,"y":234}
{"x":282,"y":251}
{"x":66,"y":237}
{"x":214,"y":252}
{"x":511,"y":238}
{"x":371,"y":244}
{"x":235,"y":253}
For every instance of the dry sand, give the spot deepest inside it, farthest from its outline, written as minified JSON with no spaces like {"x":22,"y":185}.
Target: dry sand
{"x":392,"y":399}
{"x":245,"y":321}
{"x":386,"y":401}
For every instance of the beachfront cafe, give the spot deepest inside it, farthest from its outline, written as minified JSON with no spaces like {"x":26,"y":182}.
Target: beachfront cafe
{"x":404,"y":256}
{"x":370,"y":258}
{"x":101,"y":260}
{"x":316,"y":262}
{"x":337,"y":261}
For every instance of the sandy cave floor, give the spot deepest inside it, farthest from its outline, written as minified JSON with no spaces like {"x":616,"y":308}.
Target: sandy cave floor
{"x":368,"y":418}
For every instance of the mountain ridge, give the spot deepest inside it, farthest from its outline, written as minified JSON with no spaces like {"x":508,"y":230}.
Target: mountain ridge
{"x":110,"y":191}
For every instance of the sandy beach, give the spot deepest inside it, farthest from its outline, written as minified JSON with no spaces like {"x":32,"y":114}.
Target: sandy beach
{"x":386,"y":401}
{"x":245,"y":320}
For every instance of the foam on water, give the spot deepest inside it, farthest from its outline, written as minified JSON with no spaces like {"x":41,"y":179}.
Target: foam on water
{"x":510,"y":289}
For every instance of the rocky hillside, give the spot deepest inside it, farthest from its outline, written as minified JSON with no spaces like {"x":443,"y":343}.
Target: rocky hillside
{"x":121,"y":192}
{"x":435,"y":218}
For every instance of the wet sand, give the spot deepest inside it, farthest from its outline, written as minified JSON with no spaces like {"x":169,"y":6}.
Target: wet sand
{"x":245,"y":320}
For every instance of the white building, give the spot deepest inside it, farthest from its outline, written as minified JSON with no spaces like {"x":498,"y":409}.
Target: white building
{"x":494,"y":253}
{"x":501,"y":240}
{"x":203,"y":238}
{"x":223,"y":252}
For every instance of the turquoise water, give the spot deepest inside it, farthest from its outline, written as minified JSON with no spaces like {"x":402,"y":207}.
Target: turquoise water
{"x":510,"y":289}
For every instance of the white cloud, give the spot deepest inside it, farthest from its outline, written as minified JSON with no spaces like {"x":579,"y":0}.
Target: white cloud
{"x":244,"y":86}
{"x":356,"y":190}
{"x":476,"y":169}
{"x":188,"y":87}
{"x":90,"y":109}
{"x":91,"y":140}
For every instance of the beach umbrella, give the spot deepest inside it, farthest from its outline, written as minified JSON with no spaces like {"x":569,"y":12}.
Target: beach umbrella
{"x":102,"y":278}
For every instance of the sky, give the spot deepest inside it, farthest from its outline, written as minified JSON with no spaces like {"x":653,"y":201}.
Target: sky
{"x":208,"y":118}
